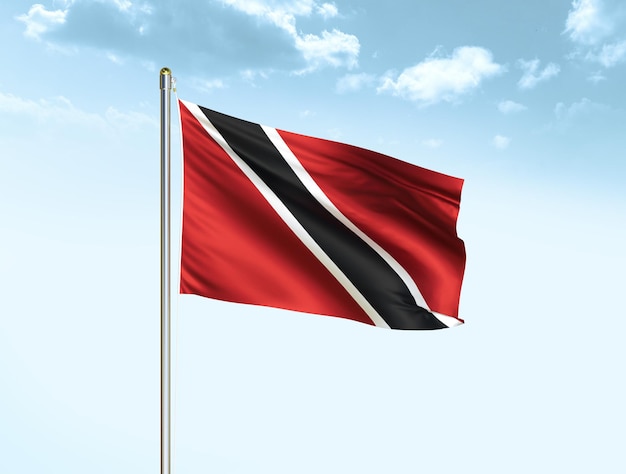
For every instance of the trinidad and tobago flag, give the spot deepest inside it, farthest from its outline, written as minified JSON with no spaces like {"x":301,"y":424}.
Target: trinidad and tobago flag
{"x":278,"y":219}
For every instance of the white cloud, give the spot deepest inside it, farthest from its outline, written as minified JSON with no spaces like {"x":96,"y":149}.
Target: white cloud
{"x":259,"y":7}
{"x":129,"y":120}
{"x":281,"y":16}
{"x":354,"y":82}
{"x":269,"y":37}
{"x":432,"y":142}
{"x":596,"y":77}
{"x":583,"y":107}
{"x":333,"y":48}
{"x":335,"y":134}
{"x":327,"y":10}
{"x":208,"y":85}
{"x":501,"y":142}
{"x":592,"y":26}
{"x":443,"y":79}
{"x":60,"y":110}
{"x":115,"y":59}
{"x":580,"y":114}
{"x":587,"y":23}
{"x":38,"y":20}
{"x":610,"y":54}
{"x":510,"y":107}
{"x":250,"y":75}
{"x":533,"y":76}
{"x":123,"y":5}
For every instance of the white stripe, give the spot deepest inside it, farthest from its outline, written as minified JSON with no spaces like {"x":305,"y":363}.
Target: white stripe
{"x":449,"y":321}
{"x":321,"y":197}
{"x":287,"y":217}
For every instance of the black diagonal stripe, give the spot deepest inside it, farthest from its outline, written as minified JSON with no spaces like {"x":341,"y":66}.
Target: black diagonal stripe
{"x":366,"y":269}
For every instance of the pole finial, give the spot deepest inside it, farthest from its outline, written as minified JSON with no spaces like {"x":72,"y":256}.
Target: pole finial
{"x":165,"y":79}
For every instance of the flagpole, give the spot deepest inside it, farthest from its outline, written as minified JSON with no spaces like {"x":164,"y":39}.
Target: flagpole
{"x":166,"y":88}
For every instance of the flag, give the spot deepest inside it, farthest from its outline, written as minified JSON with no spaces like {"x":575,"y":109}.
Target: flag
{"x":284,"y":220}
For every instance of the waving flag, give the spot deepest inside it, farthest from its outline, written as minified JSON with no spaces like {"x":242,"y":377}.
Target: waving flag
{"x":278,"y":219}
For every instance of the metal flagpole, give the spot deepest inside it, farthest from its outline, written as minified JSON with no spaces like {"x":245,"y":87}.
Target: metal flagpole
{"x":166,"y":88}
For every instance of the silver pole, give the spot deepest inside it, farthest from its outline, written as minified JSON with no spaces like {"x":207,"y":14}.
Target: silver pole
{"x":166,"y":87}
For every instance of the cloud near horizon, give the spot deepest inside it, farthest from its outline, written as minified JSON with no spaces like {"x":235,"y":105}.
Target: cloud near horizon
{"x":61,"y":111}
{"x":583,"y":115}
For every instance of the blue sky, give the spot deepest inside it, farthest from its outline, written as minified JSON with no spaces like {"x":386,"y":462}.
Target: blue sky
{"x":522,"y":99}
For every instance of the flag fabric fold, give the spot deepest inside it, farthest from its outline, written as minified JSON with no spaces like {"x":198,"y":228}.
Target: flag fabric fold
{"x":278,"y":219}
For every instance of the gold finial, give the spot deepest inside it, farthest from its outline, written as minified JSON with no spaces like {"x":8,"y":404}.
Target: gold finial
{"x":165,"y":79}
